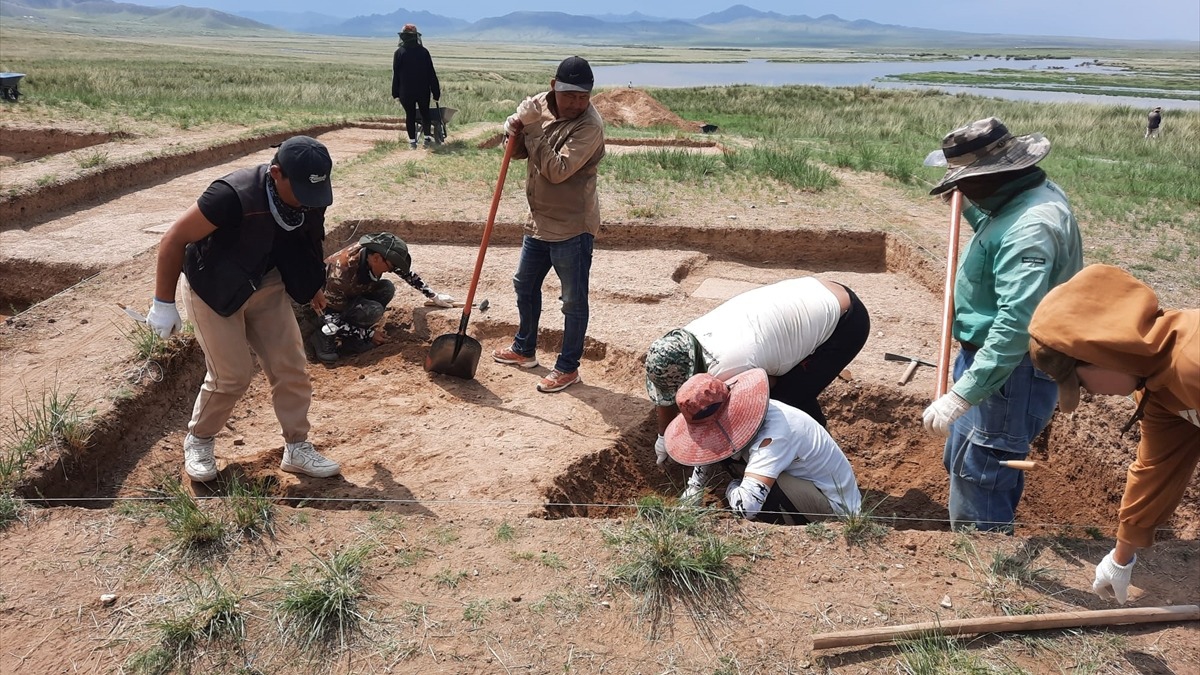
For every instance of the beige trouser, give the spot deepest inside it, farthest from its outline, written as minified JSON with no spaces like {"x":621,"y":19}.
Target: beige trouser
{"x":267,"y":325}
{"x":805,"y":497}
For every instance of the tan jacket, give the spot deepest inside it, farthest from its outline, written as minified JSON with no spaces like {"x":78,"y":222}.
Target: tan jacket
{"x":1105,"y":317}
{"x":561,"y":186}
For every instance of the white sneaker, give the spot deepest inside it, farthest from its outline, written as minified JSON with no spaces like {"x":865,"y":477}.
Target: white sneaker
{"x":198,"y":460}
{"x":429,"y":141}
{"x":412,"y":144}
{"x":303,"y":458}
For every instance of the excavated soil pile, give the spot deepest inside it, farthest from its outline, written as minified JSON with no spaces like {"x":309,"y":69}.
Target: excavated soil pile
{"x":636,"y":108}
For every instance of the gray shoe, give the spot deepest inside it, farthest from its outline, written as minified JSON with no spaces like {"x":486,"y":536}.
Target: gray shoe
{"x":324,"y":347}
{"x":412,"y":144}
{"x":198,"y":460}
{"x":303,"y":458}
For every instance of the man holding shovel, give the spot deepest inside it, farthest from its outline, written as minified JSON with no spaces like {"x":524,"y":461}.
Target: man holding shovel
{"x":357,"y":293}
{"x":1104,"y":331}
{"x":561,"y":135}
{"x":1026,"y":242}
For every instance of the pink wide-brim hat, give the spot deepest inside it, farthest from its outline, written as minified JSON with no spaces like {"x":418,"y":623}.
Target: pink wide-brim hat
{"x":717,"y":418}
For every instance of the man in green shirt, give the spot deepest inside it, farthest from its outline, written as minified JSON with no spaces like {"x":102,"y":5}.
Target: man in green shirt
{"x":1026,"y":242}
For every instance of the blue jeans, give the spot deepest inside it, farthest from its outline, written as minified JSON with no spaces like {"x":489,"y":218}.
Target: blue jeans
{"x":1001,"y":427}
{"x":572,"y":262}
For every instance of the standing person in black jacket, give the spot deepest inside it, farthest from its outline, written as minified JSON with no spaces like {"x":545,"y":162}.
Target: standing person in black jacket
{"x":413,"y":80}
{"x":251,"y":240}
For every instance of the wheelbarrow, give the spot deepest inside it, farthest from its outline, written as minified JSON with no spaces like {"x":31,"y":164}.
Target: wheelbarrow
{"x":438,"y":118}
{"x":10,"y":86}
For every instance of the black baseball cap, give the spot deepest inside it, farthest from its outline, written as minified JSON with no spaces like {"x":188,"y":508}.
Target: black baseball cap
{"x":574,"y":74}
{"x":306,"y":163}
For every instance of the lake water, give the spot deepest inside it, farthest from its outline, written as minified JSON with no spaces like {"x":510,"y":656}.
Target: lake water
{"x":764,"y":73}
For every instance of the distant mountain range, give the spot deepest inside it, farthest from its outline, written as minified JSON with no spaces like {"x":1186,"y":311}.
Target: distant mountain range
{"x":737,"y":26}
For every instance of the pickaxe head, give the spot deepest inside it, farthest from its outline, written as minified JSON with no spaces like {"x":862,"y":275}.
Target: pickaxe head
{"x":912,"y":365}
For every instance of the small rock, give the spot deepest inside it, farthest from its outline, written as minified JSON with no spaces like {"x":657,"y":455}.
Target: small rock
{"x":516,"y":598}
{"x":108,"y":599}
{"x":946,"y":602}
{"x":605,"y":604}
{"x":731,"y":217}
{"x":83,"y":321}
{"x":240,"y":440}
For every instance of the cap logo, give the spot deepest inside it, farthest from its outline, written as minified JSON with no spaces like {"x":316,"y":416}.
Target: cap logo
{"x":318,"y":178}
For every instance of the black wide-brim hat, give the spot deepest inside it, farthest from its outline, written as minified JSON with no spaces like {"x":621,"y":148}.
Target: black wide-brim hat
{"x":984,"y":147}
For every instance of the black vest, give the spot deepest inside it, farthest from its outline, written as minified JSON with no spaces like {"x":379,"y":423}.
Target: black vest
{"x":227,"y":266}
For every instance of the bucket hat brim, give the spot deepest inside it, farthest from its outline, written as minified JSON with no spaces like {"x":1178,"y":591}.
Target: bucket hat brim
{"x":1019,"y":152}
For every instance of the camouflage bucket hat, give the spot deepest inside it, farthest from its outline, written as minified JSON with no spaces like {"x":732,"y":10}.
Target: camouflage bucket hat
{"x":985,"y":147}
{"x":670,"y":361}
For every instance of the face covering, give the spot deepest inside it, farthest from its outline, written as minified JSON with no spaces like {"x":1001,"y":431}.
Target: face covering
{"x":287,"y":217}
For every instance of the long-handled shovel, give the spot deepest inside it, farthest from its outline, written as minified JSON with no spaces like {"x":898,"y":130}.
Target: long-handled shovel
{"x":456,"y":354}
{"x":943,"y":368}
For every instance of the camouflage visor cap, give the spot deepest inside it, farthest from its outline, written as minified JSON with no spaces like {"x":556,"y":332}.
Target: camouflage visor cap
{"x":670,"y":361}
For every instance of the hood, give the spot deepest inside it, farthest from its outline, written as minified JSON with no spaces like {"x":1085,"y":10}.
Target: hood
{"x":1106,"y":317}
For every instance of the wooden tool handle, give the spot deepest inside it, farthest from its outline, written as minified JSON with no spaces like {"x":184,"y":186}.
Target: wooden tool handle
{"x":1003,"y":624}
{"x":944,"y":368}
{"x":908,"y":373}
{"x":1022,"y":464}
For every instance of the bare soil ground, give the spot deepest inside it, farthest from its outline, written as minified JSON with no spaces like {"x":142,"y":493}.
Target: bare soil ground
{"x":433,"y":467}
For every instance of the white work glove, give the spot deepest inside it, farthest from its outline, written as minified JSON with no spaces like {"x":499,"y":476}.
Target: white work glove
{"x":660,"y":450}
{"x":511,"y":124}
{"x":163,"y":318}
{"x":1112,"y":580}
{"x":693,"y":494}
{"x":529,"y":112}
{"x":440,"y":300}
{"x":941,"y":413}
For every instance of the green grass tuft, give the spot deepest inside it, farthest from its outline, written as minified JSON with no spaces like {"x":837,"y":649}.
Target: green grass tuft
{"x":674,"y":555}
{"x":323,"y":608}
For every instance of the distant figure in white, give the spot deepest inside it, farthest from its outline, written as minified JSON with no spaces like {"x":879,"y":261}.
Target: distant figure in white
{"x":1153,"y":122}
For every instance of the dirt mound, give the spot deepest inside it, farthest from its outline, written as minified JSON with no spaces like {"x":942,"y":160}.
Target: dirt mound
{"x":636,"y":108}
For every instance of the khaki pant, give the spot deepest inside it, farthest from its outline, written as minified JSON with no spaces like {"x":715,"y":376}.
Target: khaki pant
{"x":267,"y":325}
{"x":791,"y":501}
{"x":807,"y":503}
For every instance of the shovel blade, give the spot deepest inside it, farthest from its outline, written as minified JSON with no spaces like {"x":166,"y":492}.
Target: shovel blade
{"x":454,"y":354}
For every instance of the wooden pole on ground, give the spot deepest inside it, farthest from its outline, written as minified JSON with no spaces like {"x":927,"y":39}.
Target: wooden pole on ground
{"x":1006,"y":624}
{"x":943,"y":367}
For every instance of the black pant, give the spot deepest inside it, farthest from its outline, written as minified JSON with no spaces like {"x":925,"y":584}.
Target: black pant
{"x":800,"y":386}
{"x":410,"y":115}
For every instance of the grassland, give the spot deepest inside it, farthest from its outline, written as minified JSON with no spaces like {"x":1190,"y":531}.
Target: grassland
{"x":1137,"y":200}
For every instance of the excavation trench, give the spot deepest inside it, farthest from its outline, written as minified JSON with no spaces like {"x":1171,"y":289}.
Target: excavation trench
{"x":411,"y":442}
{"x":415,"y":443}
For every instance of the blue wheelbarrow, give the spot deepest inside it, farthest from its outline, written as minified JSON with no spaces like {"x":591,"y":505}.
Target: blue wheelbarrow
{"x":10,"y":86}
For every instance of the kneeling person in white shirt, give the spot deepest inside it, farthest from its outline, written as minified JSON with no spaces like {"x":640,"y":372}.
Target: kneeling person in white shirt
{"x":787,"y":468}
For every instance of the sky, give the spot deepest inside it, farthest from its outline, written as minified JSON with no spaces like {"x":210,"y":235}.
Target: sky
{"x":1121,"y":19}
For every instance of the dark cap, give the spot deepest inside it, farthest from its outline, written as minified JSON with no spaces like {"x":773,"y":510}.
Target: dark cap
{"x":391,"y":247}
{"x":306,"y":164}
{"x":574,"y":74}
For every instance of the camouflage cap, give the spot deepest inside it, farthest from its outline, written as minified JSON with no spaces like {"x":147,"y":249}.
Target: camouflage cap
{"x":670,"y":361}
{"x":391,"y":248}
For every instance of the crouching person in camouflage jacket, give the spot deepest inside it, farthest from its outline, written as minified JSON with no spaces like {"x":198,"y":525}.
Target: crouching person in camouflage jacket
{"x":357,"y":294}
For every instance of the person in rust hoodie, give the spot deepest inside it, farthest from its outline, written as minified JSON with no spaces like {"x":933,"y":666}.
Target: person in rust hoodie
{"x":1104,"y":331}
